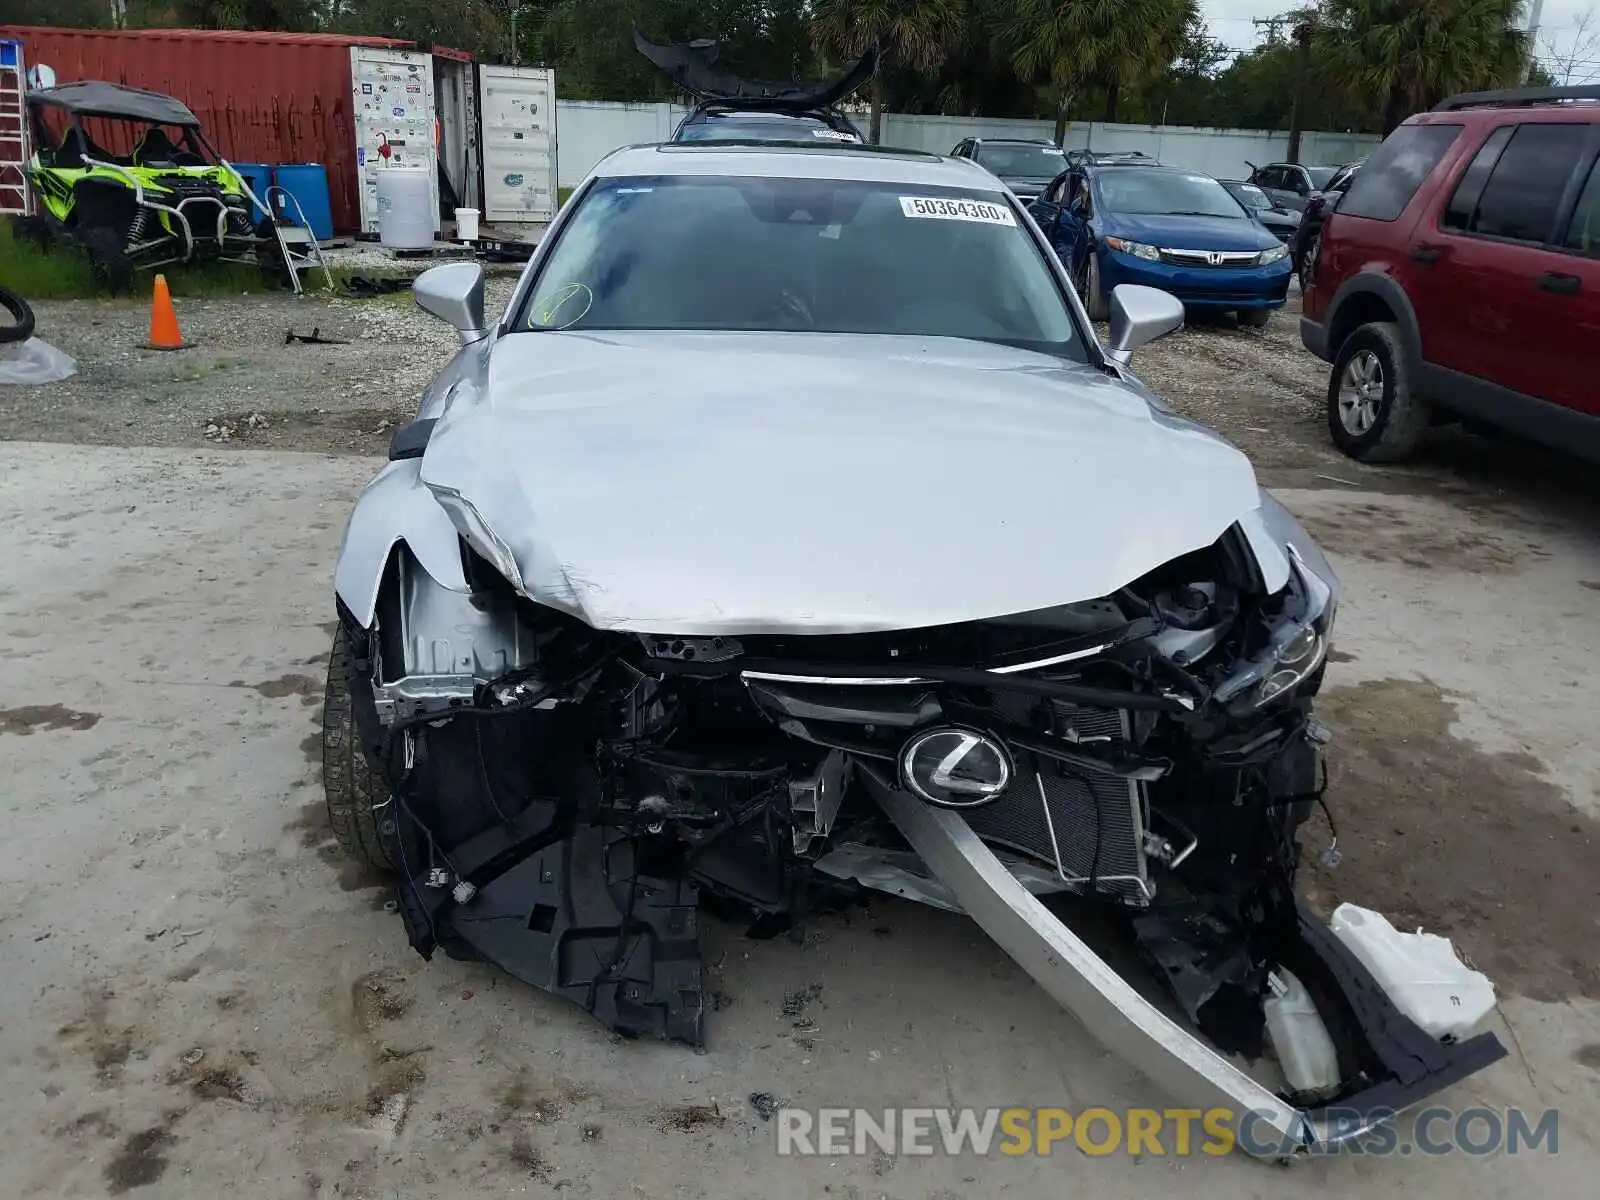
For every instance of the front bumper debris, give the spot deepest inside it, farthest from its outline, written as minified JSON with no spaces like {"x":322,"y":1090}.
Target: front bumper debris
{"x":1407,"y":1065}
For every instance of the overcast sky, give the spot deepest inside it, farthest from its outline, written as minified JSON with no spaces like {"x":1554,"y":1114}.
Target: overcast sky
{"x":1230,"y":22}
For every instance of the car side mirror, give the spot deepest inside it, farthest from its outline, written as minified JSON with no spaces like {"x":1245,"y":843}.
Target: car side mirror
{"x":1140,"y":315}
{"x":454,"y":294}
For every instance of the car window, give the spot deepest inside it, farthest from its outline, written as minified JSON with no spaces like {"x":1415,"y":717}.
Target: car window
{"x":1021,"y":161}
{"x":760,"y":127}
{"x":1249,"y":195}
{"x":1583,"y":231}
{"x":1139,"y":191}
{"x":1525,"y":187}
{"x":1384,"y":187}
{"x":1461,"y":212}
{"x":1054,"y":194}
{"x":802,"y":256}
{"x":1321,"y":176}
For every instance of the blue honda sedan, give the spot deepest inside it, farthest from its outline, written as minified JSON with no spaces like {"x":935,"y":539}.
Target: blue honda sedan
{"x":1167,"y":228}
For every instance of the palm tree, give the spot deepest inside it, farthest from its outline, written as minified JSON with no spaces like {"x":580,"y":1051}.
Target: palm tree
{"x":1070,"y":45}
{"x":910,"y":33}
{"x":1414,"y":53}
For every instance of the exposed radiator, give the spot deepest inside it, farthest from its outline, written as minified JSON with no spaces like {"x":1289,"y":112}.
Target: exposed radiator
{"x":1089,"y":827}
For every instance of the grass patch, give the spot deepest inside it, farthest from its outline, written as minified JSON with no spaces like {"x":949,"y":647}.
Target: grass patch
{"x":561,"y":195}
{"x":64,"y":273}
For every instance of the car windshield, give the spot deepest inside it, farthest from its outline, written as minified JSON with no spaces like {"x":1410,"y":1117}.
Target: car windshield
{"x":1250,"y":195}
{"x":1149,"y":193}
{"x":1022,"y":161}
{"x":800,"y":255}
{"x":760,"y":127}
{"x":1321,"y":175}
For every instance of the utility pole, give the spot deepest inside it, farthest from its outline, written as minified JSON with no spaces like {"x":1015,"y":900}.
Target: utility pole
{"x":1304,"y":31}
{"x":1535,"y":11}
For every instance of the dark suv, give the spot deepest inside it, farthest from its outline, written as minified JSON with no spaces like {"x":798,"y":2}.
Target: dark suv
{"x":1459,"y":277}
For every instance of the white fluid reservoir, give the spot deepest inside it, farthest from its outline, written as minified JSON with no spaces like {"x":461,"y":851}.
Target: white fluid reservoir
{"x":405,"y":208}
{"x":1419,"y":971}
{"x":1299,"y":1038}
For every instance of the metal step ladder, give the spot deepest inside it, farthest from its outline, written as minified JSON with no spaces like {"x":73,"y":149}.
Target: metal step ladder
{"x":16,"y":197}
{"x":296,"y":242}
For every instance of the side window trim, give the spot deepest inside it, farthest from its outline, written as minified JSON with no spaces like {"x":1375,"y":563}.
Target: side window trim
{"x":1576,"y":186}
{"x":1571,"y":191}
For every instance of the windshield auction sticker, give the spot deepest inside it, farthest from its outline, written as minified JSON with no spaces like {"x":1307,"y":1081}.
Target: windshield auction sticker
{"x":957,"y":210}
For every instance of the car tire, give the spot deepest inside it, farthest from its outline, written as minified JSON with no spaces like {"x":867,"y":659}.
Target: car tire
{"x":1254,"y":318}
{"x":1095,"y":300}
{"x":1373,"y":414}
{"x":107,"y":257}
{"x":354,"y":789}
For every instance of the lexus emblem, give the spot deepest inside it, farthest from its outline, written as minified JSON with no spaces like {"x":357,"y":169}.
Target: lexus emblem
{"x":1214,"y":257}
{"x":955,"y":768}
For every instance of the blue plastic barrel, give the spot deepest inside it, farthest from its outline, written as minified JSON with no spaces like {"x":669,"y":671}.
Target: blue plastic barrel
{"x":308,"y":183}
{"x":258,"y":176}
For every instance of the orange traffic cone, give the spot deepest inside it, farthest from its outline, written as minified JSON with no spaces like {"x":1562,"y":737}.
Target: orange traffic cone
{"x":164,"y":333}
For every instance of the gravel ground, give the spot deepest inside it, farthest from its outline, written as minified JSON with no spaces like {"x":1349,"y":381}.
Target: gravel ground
{"x":334,"y":398}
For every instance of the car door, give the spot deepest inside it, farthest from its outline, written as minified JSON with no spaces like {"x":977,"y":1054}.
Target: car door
{"x":1047,"y":209}
{"x":1494,"y":297}
{"x":1295,"y":190}
{"x":1569,"y":304}
{"x":1271,"y":181}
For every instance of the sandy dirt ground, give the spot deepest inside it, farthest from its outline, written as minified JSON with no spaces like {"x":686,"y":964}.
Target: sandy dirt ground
{"x":200,"y":996}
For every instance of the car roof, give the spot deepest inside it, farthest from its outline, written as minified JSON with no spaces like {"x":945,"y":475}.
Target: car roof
{"x":1016,"y":141}
{"x":784,"y":160}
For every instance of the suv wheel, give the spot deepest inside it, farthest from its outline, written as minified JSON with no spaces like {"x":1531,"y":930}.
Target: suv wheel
{"x":1373,"y":414}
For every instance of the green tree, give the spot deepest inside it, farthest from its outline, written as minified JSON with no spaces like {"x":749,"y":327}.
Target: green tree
{"x":914,"y":34}
{"x":481,"y":27}
{"x":1070,"y":46}
{"x":1413,"y":53}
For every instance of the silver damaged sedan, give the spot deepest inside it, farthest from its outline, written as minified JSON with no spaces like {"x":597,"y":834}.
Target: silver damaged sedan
{"x":791,"y":534}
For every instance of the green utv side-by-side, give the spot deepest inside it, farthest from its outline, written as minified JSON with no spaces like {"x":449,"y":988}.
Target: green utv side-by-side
{"x":170,"y":199}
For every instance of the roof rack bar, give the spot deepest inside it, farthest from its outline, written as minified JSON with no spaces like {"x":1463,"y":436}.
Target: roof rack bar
{"x":1512,"y":97}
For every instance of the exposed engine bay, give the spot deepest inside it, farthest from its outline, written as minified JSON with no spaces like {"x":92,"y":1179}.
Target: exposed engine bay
{"x":561,"y":798}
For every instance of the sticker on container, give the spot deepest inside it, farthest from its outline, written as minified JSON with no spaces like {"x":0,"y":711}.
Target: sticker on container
{"x":939,"y":209}
{"x":399,"y":112}
{"x":513,"y":180}
{"x":361,"y":156}
{"x":366,"y":89}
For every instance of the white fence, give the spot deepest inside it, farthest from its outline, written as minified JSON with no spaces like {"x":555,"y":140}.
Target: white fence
{"x":590,"y":130}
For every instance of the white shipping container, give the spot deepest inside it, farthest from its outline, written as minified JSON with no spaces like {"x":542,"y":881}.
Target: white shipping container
{"x":517,"y":113}
{"x":392,"y":92}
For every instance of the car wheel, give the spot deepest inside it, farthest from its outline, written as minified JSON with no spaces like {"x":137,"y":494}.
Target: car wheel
{"x":1254,"y":318}
{"x":1373,"y":414}
{"x":354,"y":790}
{"x":1094,"y":297}
{"x":107,"y":257}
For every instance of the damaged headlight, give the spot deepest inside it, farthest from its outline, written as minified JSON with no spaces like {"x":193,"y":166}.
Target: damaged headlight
{"x":1297,"y":647}
{"x":470,"y":524}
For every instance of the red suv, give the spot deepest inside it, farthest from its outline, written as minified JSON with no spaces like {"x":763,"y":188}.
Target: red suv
{"x":1459,"y":277}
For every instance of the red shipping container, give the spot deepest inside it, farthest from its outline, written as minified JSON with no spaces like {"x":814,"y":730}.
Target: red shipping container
{"x":260,"y":97}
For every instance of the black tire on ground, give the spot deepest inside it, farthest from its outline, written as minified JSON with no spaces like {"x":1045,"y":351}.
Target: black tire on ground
{"x":1254,"y":318}
{"x":352,"y":786}
{"x":1373,"y":415}
{"x":105,"y":247}
{"x":20,"y":327}
{"x":1095,"y":299}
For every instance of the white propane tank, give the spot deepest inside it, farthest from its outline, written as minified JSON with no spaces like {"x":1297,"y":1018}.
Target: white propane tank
{"x":1419,"y":971}
{"x":405,"y":208}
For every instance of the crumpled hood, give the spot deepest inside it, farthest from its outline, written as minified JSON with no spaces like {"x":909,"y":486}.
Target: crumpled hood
{"x":728,"y":483}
